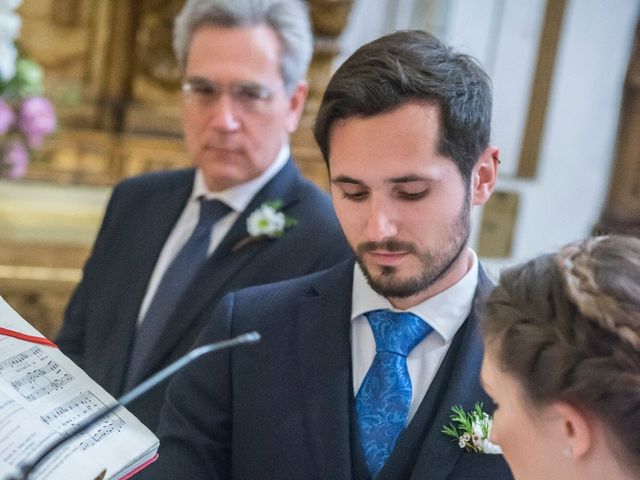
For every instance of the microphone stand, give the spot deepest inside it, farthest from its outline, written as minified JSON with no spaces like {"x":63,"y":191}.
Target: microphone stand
{"x":27,"y":468}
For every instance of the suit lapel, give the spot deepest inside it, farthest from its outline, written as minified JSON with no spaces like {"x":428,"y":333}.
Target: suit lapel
{"x":212,"y":280}
{"x":284,"y":187}
{"x":153,"y":226}
{"x":325,"y":370}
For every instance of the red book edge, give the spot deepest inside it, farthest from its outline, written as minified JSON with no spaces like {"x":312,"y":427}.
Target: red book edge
{"x":28,"y":338}
{"x":141,"y":467}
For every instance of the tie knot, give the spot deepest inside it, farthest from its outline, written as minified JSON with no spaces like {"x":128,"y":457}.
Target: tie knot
{"x":211,"y":211}
{"x":397,"y":332}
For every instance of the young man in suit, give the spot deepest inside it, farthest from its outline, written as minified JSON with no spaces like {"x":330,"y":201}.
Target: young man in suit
{"x":173,"y":243}
{"x":359,"y":365}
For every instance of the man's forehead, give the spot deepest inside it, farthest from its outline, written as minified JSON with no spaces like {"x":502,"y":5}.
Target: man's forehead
{"x":404,"y":141}
{"x":430,"y":108}
{"x":254,"y":44}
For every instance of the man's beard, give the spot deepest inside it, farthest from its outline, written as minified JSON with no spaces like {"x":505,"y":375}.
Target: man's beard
{"x":435,"y":264}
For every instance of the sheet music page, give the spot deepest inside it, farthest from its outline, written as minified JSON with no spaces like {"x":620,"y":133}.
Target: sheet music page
{"x":39,"y":382}
{"x":22,"y":435}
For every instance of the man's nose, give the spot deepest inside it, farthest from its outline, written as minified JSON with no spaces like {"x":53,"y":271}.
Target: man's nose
{"x":381,"y":224}
{"x":223,"y":115}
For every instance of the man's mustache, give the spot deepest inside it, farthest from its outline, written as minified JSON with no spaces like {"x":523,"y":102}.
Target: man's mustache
{"x":388,"y":245}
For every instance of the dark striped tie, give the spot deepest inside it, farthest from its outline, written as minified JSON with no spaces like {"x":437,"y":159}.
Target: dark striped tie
{"x":174,"y":283}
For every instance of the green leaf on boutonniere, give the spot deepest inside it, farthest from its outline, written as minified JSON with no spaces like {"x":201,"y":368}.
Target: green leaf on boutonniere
{"x":471,"y":430}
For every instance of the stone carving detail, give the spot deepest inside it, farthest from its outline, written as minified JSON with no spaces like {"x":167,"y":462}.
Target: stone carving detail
{"x":154,"y":50}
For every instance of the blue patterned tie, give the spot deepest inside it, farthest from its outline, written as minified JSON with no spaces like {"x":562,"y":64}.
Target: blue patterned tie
{"x":175,"y":281}
{"x":382,"y":403}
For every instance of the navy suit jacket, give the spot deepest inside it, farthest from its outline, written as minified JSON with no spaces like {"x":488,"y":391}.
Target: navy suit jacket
{"x":284,"y":408}
{"x":100,"y":321}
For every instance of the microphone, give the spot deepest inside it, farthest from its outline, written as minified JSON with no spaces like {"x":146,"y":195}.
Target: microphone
{"x":252,"y":337}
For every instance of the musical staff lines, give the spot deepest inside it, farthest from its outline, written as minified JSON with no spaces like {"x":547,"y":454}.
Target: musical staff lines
{"x":66,"y":416}
{"x":111,"y":423}
{"x":33,"y":374}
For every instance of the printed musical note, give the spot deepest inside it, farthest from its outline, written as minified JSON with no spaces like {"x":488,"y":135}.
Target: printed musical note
{"x":111,"y":423}
{"x":33,"y":374}
{"x":66,"y":416}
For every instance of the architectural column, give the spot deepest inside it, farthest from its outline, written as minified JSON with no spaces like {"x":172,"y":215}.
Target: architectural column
{"x":329,"y":17}
{"x":622,"y":210}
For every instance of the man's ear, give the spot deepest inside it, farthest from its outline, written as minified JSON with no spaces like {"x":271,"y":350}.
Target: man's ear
{"x":484,"y":175}
{"x":575,"y":429}
{"x":296,"y":106}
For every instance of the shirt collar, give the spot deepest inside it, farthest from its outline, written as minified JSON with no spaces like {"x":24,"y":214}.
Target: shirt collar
{"x":444,"y":312}
{"x":239,"y":196}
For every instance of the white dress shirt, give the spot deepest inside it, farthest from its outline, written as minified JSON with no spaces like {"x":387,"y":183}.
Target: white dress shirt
{"x":237,"y":198}
{"x":445,"y":313}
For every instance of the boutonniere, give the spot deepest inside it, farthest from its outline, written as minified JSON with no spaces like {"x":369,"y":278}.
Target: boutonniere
{"x":471,"y":430}
{"x":266,"y":221}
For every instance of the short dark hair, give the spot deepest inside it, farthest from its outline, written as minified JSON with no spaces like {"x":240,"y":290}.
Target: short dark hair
{"x":567,"y":328}
{"x":411,"y":66}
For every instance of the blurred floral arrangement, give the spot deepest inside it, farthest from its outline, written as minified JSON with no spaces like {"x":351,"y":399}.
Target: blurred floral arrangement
{"x":26,"y":116}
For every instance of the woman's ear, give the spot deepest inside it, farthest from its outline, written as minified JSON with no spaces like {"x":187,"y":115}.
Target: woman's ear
{"x":575,"y":429}
{"x":484,"y":175}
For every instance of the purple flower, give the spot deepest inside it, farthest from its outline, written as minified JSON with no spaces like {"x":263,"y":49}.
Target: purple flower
{"x":6,"y":117}
{"x":37,"y":119}
{"x":16,"y":158}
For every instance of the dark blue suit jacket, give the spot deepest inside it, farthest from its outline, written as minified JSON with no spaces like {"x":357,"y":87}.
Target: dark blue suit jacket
{"x":283,"y":409}
{"x":100,"y":320}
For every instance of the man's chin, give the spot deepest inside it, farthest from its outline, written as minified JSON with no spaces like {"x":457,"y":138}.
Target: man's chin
{"x":386,"y":281}
{"x":390,"y":288}
{"x":221,"y":179}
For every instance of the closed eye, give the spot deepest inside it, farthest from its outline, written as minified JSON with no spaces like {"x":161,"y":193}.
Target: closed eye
{"x":251,"y":92}
{"x":411,"y":189}
{"x":355,"y":195}
{"x":412,"y":196}
{"x":204,"y":90}
{"x":352,"y":191}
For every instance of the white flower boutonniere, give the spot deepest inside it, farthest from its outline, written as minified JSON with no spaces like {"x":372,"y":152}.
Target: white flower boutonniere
{"x":471,"y":430}
{"x":267,"y":221}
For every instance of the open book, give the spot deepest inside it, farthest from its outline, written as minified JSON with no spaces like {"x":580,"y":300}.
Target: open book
{"x":43,"y":395}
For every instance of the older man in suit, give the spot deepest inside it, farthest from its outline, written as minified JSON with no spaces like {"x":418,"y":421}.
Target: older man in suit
{"x":360,"y":365}
{"x":173,"y":243}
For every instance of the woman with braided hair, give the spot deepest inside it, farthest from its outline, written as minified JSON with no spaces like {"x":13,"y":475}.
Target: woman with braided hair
{"x":562,"y":362}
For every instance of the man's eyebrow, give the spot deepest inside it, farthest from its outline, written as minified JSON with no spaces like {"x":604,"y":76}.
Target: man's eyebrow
{"x":409,"y":178}
{"x":346,"y":179}
{"x":393,"y":180}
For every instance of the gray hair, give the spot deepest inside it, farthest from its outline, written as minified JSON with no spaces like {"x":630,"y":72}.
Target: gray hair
{"x":288,"y":18}
{"x":411,"y":66}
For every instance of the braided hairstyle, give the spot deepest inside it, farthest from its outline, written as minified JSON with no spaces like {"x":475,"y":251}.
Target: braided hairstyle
{"x":567,"y":328}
